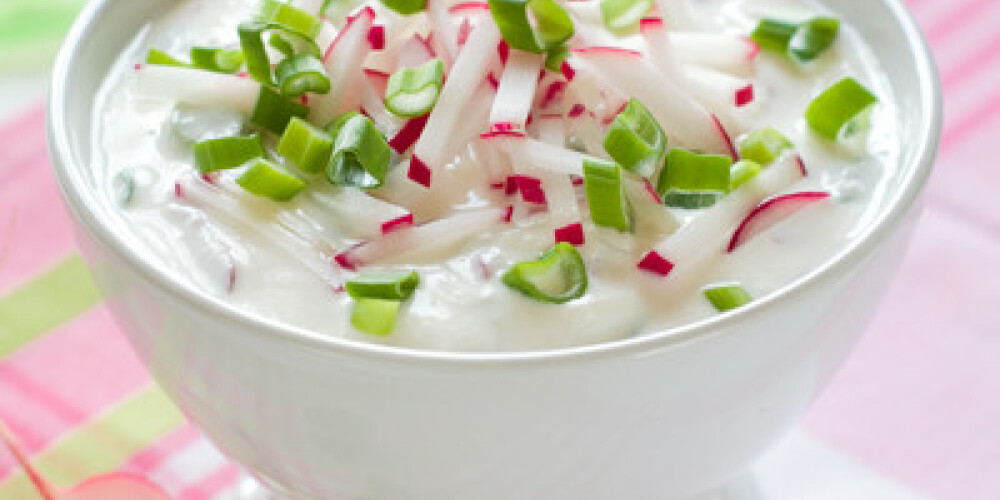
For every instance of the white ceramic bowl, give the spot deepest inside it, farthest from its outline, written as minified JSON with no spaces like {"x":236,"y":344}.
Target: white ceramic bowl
{"x":656,"y":417}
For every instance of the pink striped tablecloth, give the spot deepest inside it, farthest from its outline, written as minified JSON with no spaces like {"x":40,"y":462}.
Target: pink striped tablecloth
{"x":917,"y":407}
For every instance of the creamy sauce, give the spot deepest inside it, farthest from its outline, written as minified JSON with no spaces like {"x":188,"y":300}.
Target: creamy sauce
{"x":461,"y":305}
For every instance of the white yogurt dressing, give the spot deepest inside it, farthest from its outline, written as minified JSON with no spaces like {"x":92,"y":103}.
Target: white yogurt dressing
{"x":461,"y":305}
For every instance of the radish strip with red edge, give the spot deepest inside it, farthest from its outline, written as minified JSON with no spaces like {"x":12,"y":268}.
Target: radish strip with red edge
{"x":343,"y":61}
{"x":374,"y":107}
{"x":413,"y":53}
{"x":397,"y":223}
{"x":685,"y":121}
{"x":423,"y":240}
{"x":733,"y":54}
{"x":537,"y":154}
{"x":354,"y":212}
{"x":572,"y":234}
{"x":438,"y":139}
{"x":408,"y":134}
{"x":466,"y":8}
{"x":444,"y":29}
{"x":517,"y":88}
{"x":376,"y":37}
{"x":700,"y":242}
{"x":771,"y":212}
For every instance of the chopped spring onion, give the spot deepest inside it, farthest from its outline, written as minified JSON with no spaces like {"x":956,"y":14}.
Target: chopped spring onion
{"x":385,"y":286}
{"x":273,"y":112}
{"x":281,"y":44}
{"x":226,"y":152}
{"x":802,"y":42}
{"x":688,"y":171}
{"x":406,"y":7}
{"x":302,"y":73}
{"x":635,"y":139}
{"x":306,"y":145}
{"x":691,"y":200}
{"x":764,"y":146}
{"x":727,"y":297}
{"x":604,"y":184}
{"x":360,"y":155}
{"x":295,"y":19}
{"x":333,"y":128}
{"x":124,"y":187}
{"x":622,"y":16}
{"x":375,"y":316}
{"x":218,"y":60}
{"x":161,"y":58}
{"x":255,"y":54}
{"x":532,"y":25}
{"x":558,"y":276}
{"x":412,"y":92}
{"x":846,"y":102}
{"x":774,"y":34}
{"x":742,"y":172}
{"x":555,"y":57}
{"x":270,"y":180}
{"x":813,"y":38}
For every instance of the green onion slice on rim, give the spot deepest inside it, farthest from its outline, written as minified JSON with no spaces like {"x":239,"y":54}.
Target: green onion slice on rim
{"x":622,"y":16}
{"x":406,"y":7}
{"x":764,"y":146}
{"x":218,"y":60}
{"x":360,"y":155}
{"x":635,"y":139}
{"x":301,"y":73}
{"x":273,"y":112}
{"x":226,"y":152}
{"x":604,"y":183}
{"x":375,"y":316}
{"x":158,"y":57}
{"x":774,"y":34}
{"x":386,"y":286}
{"x":305,"y":145}
{"x":293,"y":18}
{"x":270,"y":180}
{"x":742,"y":172}
{"x":727,"y":297}
{"x":412,"y":92}
{"x":558,"y":276}
{"x":532,"y":25}
{"x":846,"y":102}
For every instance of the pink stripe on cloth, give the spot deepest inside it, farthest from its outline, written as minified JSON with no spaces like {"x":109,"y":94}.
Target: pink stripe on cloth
{"x":59,"y":381}
{"x":954,"y":74}
{"x":918,"y":399}
{"x":939,"y":29}
{"x":31,"y":211}
{"x":148,"y":459}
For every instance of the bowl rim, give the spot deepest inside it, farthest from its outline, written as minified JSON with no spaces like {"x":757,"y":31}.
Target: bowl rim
{"x":68,"y":177}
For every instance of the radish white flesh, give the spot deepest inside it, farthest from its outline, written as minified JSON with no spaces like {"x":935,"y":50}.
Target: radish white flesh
{"x":463,"y":81}
{"x":537,"y":154}
{"x":445,"y":30}
{"x":211,"y":253}
{"x":197,"y":87}
{"x":413,"y":53}
{"x":772,"y":212}
{"x":701,"y":241}
{"x":678,"y":14}
{"x":498,"y":168}
{"x":516,"y":89}
{"x":343,"y":60}
{"x":730,"y":53}
{"x":310,"y":6}
{"x":327,"y":34}
{"x":374,"y":106}
{"x":682,"y":118}
{"x":419,"y":241}
{"x":355,"y":212}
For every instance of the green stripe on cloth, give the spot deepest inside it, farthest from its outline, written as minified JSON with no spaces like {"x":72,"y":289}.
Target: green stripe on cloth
{"x":62,"y":293}
{"x":30,"y":31}
{"x":103,"y":444}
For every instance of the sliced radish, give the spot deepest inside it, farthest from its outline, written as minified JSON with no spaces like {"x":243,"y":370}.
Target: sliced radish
{"x":537,"y":154}
{"x":724,"y":52}
{"x":445,"y":31}
{"x":683,"y":119}
{"x":516,"y":89}
{"x":413,"y":53}
{"x":408,"y":135}
{"x":463,"y":81}
{"x":196,"y":87}
{"x":376,"y":37}
{"x":343,"y":61}
{"x":678,"y":15}
{"x":423,"y":240}
{"x":469,"y":8}
{"x":397,"y":223}
{"x":700,"y":241}
{"x":310,"y":6}
{"x":374,"y":107}
{"x":571,"y":233}
{"x":771,"y":212}
{"x":356,"y":213}
{"x":530,"y":189}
